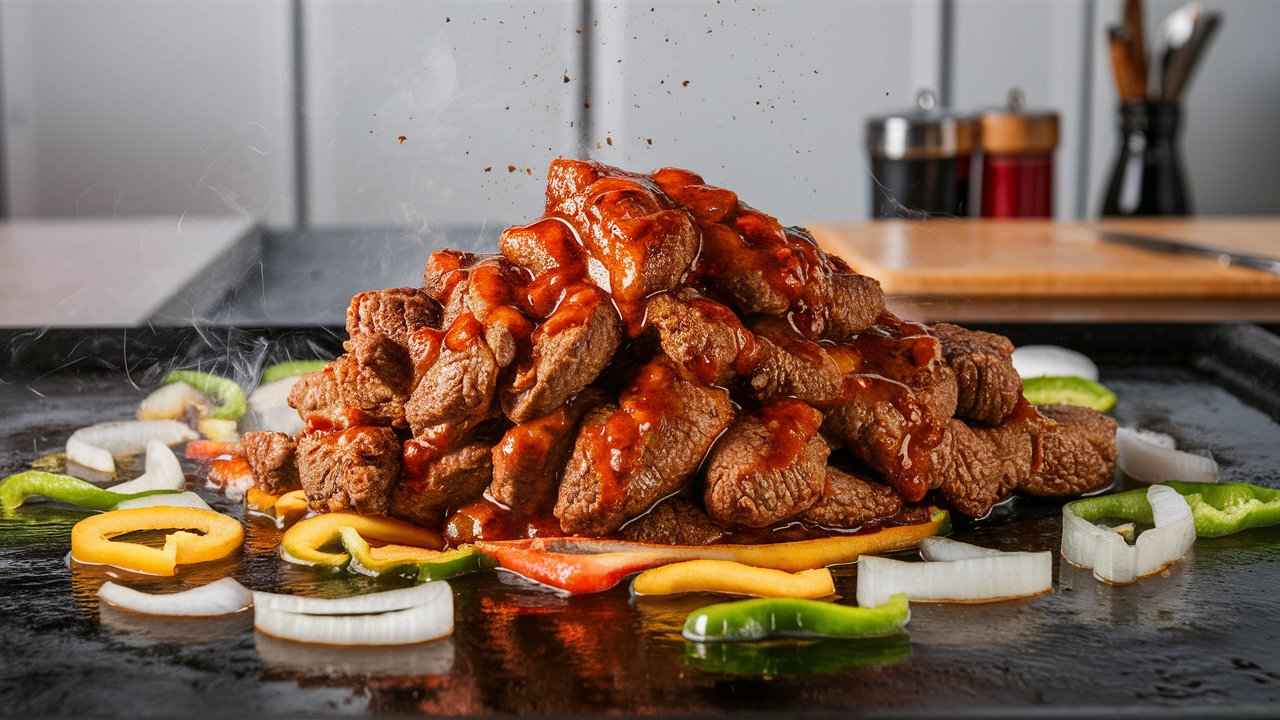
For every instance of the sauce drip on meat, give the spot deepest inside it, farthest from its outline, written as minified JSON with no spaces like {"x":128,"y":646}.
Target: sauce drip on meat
{"x":791,"y":425}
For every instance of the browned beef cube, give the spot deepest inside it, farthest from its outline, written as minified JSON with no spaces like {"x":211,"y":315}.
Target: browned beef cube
{"x":703,"y":336}
{"x":674,"y":521}
{"x":455,"y":392}
{"x":629,"y":456}
{"x":768,"y":467}
{"x":792,"y":366}
{"x":542,"y":246}
{"x":1078,"y":456}
{"x":908,"y":353}
{"x":272,"y":457}
{"x":486,"y":291}
{"x":850,"y":501}
{"x":569,"y":350}
{"x":855,"y":303}
{"x":367,"y":386}
{"x":642,"y":240}
{"x":442,"y":272}
{"x":977,"y":467}
{"x":988,"y":386}
{"x":394,"y":312}
{"x":528,"y":460}
{"x":354,"y":470}
{"x":437,"y":482}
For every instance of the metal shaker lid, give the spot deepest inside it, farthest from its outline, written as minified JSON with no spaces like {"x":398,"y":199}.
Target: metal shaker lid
{"x":1014,"y":129}
{"x":924,"y":131}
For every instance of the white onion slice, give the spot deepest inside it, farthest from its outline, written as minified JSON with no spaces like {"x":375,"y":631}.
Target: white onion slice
{"x":182,"y":499}
{"x":163,"y":472}
{"x":417,"y":624}
{"x":96,"y":446}
{"x":379,"y":602}
{"x":220,"y":597}
{"x":940,"y":549}
{"x":1041,"y":360}
{"x":171,"y":402}
{"x":1151,"y":458}
{"x":1115,"y":561}
{"x":273,"y":394}
{"x":974,"y":580}
{"x":281,"y":418}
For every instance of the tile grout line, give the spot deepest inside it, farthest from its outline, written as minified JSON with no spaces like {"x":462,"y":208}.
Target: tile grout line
{"x":1085,"y":134}
{"x":300,"y":169}
{"x":586,"y":17}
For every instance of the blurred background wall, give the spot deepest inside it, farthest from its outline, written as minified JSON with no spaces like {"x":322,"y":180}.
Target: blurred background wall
{"x":425,"y":113}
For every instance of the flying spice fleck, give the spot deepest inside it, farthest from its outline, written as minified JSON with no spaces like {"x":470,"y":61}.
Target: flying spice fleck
{"x":511,"y":168}
{"x":488,"y":168}
{"x":609,"y":140}
{"x":401,"y":139}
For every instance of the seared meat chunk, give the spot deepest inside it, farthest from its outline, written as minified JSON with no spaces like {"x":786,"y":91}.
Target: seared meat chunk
{"x":855,"y":302}
{"x":988,"y":386}
{"x":850,"y":501}
{"x":541,"y":247}
{"x":703,"y":336}
{"x":769,"y":466}
{"x":273,"y":458}
{"x":455,"y":392}
{"x":643,"y":241}
{"x":627,"y":457}
{"x":444,"y":269}
{"x":353,"y":470}
{"x":674,"y":521}
{"x":791,"y":366}
{"x":394,"y":312}
{"x":367,"y":386}
{"x":529,"y":458}
{"x":1078,"y":456}
{"x":433,"y":482}
{"x":977,"y":467}
{"x":483,"y":296}
{"x":907,"y":353}
{"x":569,"y":350}
{"x":886,"y":427}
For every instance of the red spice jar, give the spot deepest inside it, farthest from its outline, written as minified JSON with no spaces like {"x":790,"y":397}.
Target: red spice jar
{"x":1018,"y":146}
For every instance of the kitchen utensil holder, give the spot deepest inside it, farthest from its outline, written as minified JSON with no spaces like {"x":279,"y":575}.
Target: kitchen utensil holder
{"x":1147,"y":178}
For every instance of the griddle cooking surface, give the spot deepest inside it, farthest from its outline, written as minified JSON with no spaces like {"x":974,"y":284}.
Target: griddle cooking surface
{"x":1202,"y":636}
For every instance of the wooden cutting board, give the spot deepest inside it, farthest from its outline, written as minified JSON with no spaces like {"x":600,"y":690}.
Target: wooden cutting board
{"x":1034,"y":258}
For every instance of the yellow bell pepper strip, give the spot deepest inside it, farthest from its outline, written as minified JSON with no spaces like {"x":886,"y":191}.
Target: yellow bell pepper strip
{"x":818,"y":656}
{"x":260,"y":501}
{"x":230,"y":396}
{"x":224,"y":431}
{"x":280,"y":371}
{"x":1219,"y":509}
{"x":789,"y":556}
{"x":15,"y":489}
{"x":749,"y":620}
{"x":291,"y":506}
{"x":92,"y":543}
{"x":407,"y":560}
{"x":302,"y":543}
{"x":723,"y":576}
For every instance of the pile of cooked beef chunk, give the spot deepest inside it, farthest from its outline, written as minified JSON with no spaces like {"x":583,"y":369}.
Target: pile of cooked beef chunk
{"x":656,"y":359}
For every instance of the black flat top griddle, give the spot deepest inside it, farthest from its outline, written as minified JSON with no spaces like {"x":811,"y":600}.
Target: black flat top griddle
{"x":1203,"y":638}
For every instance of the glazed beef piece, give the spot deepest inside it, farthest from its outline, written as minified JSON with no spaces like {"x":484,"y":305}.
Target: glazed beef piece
{"x":886,"y":427}
{"x":354,"y":470}
{"x":908,"y":353}
{"x":455,"y":392}
{"x":393,"y":313}
{"x":977,"y":467}
{"x":703,"y":336}
{"x":674,"y":521}
{"x":643,"y":241}
{"x":628,"y":456}
{"x":851,"y":501}
{"x":272,"y":456}
{"x":442,"y":272}
{"x":484,"y":299}
{"x":1078,"y":456}
{"x":434,"y":482}
{"x":542,"y":247}
{"x":791,"y":366}
{"x":988,"y":386}
{"x":368,"y":385}
{"x":769,"y":466}
{"x":529,"y":458}
{"x":570,"y":348}
{"x":856,"y":302}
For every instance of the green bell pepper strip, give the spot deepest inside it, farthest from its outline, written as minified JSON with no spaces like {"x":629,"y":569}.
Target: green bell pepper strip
{"x":15,"y":489}
{"x":788,"y":657}
{"x":230,"y":396}
{"x":748,"y":620}
{"x":452,"y":563}
{"x":1068,"y":390}
{"x":1219,"y":509}
{"x":280,"y":371}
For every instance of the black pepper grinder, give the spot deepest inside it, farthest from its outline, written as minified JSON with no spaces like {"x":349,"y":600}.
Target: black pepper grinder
{"x":920,"y":161}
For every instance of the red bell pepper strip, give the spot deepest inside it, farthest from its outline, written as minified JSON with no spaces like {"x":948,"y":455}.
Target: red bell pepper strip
{"x":571,"y":572}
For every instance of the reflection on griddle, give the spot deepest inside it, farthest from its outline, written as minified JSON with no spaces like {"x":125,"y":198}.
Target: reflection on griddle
{"x":791,"y":657}
{"x":138,"y":629}
{"x":302,"y":661}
